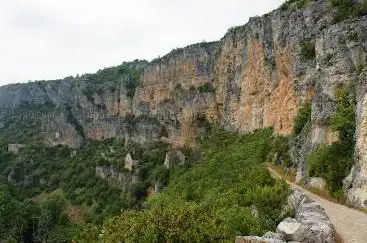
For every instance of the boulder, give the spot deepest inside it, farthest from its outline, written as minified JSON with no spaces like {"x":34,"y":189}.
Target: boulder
{"x":174,"y":158}
{"x":292,"y":230}
{"x":130,"y":164}
{"x":317,"y":183}
{"x":154,"y":189}
{"x":273,"y":235}
{"x":112,"y":174}
{"x":15,"y":148}
{"x":311,"y":224}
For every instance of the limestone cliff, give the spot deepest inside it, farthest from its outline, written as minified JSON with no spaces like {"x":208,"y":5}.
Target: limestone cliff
{"x":256,"y":76}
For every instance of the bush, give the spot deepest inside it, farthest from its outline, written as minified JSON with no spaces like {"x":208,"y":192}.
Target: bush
{"x":308,"y":49}
{"x":303,"y":117}
{"x":206,"y":88}
{"x":286,"y":5}
{"x":330,"y":162}
{"x":343,"y":120}
{"x":333,"y":162}
{"x":279,"y":151}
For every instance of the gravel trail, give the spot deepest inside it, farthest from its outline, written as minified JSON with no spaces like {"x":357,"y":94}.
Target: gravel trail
{"x":350,"y":224}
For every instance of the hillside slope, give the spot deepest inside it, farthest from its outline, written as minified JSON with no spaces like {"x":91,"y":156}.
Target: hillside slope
{"x":258,"y":75}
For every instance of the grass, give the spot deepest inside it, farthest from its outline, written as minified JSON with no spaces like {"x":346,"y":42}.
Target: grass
{"x":324,"y":194}
{"x":289,"y":175}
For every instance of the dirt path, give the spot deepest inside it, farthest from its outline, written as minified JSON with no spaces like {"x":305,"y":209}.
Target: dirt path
{"x":351,"y":224}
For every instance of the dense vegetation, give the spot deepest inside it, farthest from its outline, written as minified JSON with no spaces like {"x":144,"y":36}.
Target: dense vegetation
{"x":333,"y":162}
{"x":229,"y":193}
{"x":303,"y":117}
{"x":26,"y":117}
{"x":294,"y":3}
{"x":54,"y":195}
{"x":128,"y":74}
{"x":348,"y":8}
{"x":344,"y":9}
{"x":67,"y":178}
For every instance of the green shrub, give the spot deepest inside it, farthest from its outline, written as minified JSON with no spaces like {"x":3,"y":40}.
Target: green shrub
{"x":333,"y":162}
{"x":279,"y":151}
{"x":359,"y":68}
{"x":343,"y":120}
{"x":206,"y":88}
{"x":308,"y":49}
{"x":297,"y":4}
{"x":303,"y":117}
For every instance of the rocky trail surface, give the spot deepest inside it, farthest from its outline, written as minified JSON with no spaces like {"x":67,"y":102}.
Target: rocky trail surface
{"x":350,"y":224}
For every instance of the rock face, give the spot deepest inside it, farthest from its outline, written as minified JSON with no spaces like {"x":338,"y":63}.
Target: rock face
{"x":130,"y":164}
{"x":174,"y":158}
{"x":290,"y":229}
{"x":258,"y":75}
{"x":111,"y":174}
{"x":311,"y":224}
{"x":317,"y":183}
{"x":15,"y":148}
{"x":357,"y":181}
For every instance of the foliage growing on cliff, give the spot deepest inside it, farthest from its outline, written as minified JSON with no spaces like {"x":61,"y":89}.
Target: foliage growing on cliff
{"x":279,"y":151}
{"x":348,"y":8}
{"x":286,"y":5}
{"x":303,"y":116}
{"x":127,"y":74}
{"x":211,"y":201}
{"x":308,"y":49}
{"x":333,"y":162}
{"x":343,"y":120}
{"x":206,"y":88}
{"x":22,"y":125}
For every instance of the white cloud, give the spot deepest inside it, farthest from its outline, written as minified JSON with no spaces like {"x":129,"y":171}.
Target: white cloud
{"x":43,"y":39}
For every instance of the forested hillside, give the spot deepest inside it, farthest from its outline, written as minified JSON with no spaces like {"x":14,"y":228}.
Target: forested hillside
{"x":55,"y":195}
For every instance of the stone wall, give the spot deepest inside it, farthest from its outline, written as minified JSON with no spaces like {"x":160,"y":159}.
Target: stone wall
{"x":310,"y":224}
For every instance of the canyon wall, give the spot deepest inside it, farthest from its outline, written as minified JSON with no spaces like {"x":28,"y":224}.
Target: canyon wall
{"x":258,"y":75}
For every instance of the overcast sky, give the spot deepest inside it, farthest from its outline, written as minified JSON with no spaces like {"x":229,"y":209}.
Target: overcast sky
{"x":49,"y":39}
